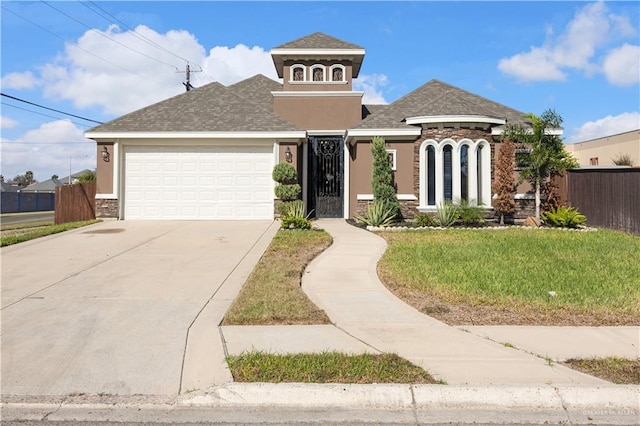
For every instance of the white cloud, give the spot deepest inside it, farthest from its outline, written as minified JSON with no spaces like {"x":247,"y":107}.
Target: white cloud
{"x":371,"y":86}
{"x":591,"y":29}
{"x":19,"y":80}
{"x":230,"y":65}
{"x":609,"y":125}
{"x":7,"y":123}
{"x":622,"y":65}
{"x":48,"y":150}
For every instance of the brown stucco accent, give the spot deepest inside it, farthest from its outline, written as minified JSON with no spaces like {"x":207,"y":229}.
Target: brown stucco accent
{"x":320,"y":112}
{"x":104,"y":170}
{"x":361,"y":168}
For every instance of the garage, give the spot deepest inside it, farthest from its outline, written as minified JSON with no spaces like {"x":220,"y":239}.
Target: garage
{"x":198,"y":182}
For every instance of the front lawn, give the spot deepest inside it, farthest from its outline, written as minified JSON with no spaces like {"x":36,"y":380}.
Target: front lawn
{"x":516,"y":276}
{"x":616,"y":370}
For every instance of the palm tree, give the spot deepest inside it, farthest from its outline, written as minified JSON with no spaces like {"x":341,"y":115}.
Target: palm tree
{"x":546,"y":150}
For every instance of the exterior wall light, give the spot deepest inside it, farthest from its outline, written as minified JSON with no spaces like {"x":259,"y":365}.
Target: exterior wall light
{"x":105,"y":154}
{"x":288,"y":155}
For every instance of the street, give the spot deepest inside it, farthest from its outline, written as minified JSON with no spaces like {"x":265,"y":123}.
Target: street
{"x":16,"y":218}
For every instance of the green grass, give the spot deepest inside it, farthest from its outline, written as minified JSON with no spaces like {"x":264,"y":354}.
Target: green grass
{"x":272,"y":293}
{"x":30,"y":233}
{"x":328,"y":367}
{"x":17,"y":226}
{"x":591,"y":273}
{"x":617,"y":370}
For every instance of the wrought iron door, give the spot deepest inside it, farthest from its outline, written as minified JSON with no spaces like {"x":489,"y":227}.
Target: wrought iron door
{"x":326,"y":188}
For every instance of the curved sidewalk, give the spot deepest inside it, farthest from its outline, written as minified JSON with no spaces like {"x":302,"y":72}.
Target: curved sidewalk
{"x":343,"y":281}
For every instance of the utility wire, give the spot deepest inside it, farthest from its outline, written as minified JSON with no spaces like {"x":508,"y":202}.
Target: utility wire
{"x":40,"y":113}
{"x":50,"y":109}
{"x":111,"y":19}
{"x":78,"y":47}
{"x":107,"y":37}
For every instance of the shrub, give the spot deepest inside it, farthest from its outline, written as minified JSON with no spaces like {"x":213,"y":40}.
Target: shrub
{"x":287,"y":192}
{"x":382,"y":178}
{"x":470,"y":214}
{"x":284,"y":173}
{"x":623,"y":160}
{"x":378,"y":214}
{"x":504,"y":185}
{"x":564,"y":217}
{"x":295,"y":222}
{"x":423,"y":219}
{"x":447,"y":214}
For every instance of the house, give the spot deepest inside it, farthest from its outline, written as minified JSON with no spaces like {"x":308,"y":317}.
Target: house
{"x":44,"y":186}
{"x":602,"y":151}
{"x":208,"y":153}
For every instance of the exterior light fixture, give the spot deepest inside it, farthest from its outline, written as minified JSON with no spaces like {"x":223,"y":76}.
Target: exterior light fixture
{"x":105,"y":154}
{"x":288,"y":155}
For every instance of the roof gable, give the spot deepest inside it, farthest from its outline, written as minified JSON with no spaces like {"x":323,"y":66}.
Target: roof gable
{"x":436,"y":98}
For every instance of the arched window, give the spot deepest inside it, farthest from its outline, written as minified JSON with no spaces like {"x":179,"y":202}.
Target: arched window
{"x":337,"y":73}
{"x":317,"y":73}
{"x":447,"y":158}
{"x":431,"y":175}
{"x":453,"y":170}
{"x":464,"y":172}
{"x":298,"y":73}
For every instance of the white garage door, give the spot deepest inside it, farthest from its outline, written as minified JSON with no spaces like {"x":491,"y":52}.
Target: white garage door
{"x":227,"y":183}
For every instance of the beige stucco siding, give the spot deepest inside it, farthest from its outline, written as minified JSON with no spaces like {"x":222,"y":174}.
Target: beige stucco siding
{"x":320,"y":112}
{"x":604,"y":150}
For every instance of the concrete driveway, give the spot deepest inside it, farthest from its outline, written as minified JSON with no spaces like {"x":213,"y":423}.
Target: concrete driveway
{"x":123,"y":307}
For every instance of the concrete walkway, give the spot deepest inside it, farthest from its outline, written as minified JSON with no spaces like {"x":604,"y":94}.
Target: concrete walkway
{"x":368,"y":318}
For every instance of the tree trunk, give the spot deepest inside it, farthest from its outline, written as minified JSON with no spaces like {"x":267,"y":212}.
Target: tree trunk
{"x":538,"y":198}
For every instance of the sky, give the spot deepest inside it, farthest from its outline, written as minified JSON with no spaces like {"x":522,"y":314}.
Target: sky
{"x":100,"y":60}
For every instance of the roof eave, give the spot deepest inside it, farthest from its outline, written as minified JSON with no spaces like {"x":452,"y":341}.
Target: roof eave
{"x":280,"y":55}
{"x":110,"y":136}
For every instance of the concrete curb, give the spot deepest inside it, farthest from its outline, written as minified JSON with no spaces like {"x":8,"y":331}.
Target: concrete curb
{"x":392,"y":403}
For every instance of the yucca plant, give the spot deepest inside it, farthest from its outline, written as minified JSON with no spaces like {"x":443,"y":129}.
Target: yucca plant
{"x":447,"y":214}
{"x":378,"y":214}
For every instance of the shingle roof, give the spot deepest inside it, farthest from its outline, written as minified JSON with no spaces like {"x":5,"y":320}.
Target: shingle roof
{"x":49,"y":185}
{"x":318,"y":41}
{"x":437,"y":98}
{"x":210,"y":108}
{"x":257,"y":89}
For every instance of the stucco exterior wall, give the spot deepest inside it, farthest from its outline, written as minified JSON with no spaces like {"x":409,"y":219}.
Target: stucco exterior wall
{"x":604,"y":150}
{"x":104,"y":170}
{"x":320,"y":112}
{"x":361,"y":168}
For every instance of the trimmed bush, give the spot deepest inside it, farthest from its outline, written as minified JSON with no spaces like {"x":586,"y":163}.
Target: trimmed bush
{"x":382,"y":179}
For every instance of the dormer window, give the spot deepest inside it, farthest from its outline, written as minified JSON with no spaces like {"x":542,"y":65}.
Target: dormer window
{"x":317,"y":73}
{"x":298,"y":73}
{"x":337,"y":73}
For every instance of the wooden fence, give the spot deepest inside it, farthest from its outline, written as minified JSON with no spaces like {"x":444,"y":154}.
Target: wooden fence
{"x":75,"y":203}
{"x":609,"y":197}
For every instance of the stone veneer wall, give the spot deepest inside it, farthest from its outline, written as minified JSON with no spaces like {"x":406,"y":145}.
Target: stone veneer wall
{"x":107,"y":208}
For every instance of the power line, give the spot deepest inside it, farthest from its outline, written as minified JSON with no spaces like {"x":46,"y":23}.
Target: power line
{"x":40,"y":113}
{"x":107,"y":37}
{"x":78,"y":47}
{"x":50,"y":109}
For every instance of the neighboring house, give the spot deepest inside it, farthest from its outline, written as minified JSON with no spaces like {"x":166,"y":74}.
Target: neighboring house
{"x":44,"y":186}
{"x":7,"y":187}
{"x":602,"y":151}
{"x":73,"y":178}
{"x":208,"y":153}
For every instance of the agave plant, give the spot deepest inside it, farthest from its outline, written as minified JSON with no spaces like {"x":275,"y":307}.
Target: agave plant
{"x":447,"y":214}
{"x":378,"y":214}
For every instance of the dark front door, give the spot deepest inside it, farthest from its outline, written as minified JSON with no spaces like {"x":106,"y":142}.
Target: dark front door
{"x":326,"y":179}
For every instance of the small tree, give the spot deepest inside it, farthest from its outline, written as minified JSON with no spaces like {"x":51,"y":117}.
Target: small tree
{"x":25,"y":179}
{"x":287,"y":189}
{"x":547,"y":154}
{"x":504,"y":185}
{"x":623,"y":160}
{"x":382,"y":177}
{"x":87,"y":176}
